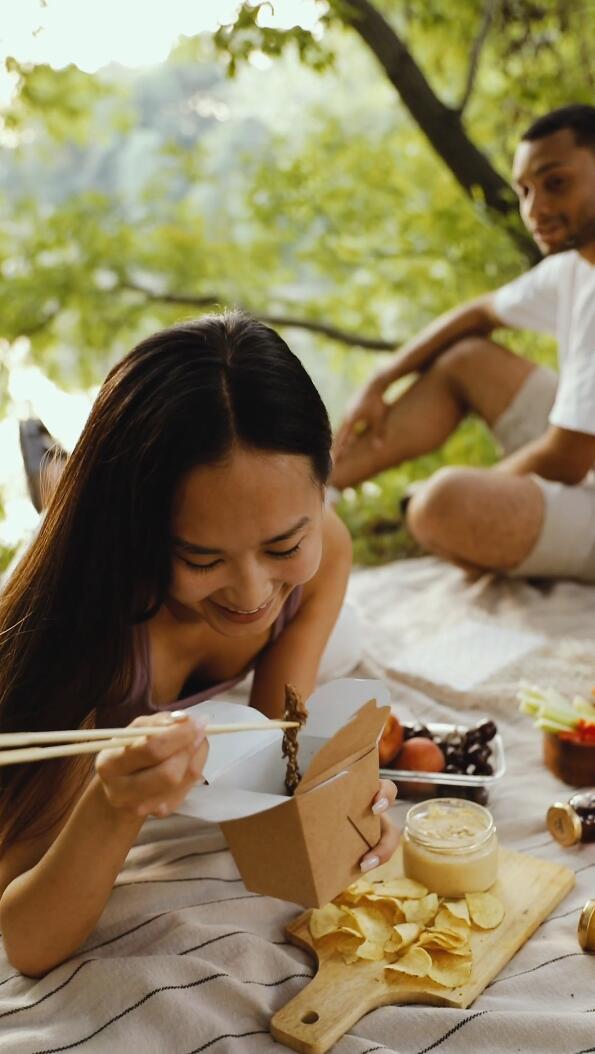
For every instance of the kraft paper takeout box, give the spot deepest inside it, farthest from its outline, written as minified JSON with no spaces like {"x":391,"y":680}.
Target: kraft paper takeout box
{"x":305,"y":849}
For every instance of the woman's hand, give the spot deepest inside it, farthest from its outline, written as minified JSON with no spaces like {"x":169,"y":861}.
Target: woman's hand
{"x":156,"y":775}
{"x":389,"y":834}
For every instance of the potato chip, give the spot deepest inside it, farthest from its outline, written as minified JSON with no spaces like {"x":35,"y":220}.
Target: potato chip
{"x":485,"y":909}
{"x":397,"y":919}
{"x":403,"y":934}
{"x":458,"y":908}
{"x":389,"y":906}
{"x":370,"y":950}
{"x":416,"y":961}
{"x":325,"y":920}
{"x":449,"y":942}
{"x":354,"y":892}
{"x":449,"y":970}
{"x":401,"y":887}
{"x":422,"y":910}
{"x":446,"y":922}
{"x":345,"y":946}
{"x":372,"y":924}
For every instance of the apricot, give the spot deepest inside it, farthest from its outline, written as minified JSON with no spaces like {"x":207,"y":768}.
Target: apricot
{"x":419,"y":755}
{"x":391,"y":740}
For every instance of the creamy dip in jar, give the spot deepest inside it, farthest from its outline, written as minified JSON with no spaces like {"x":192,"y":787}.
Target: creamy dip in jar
{"x":450,"y":846}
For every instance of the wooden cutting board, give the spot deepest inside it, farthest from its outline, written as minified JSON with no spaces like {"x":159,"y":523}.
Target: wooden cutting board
{"x":340,"y":994}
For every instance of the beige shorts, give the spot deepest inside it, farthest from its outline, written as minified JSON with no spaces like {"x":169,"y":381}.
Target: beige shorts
{"x":566,"y":544}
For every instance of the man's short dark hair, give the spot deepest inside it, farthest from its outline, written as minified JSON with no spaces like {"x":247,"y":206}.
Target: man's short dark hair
{"x":578,"y":118}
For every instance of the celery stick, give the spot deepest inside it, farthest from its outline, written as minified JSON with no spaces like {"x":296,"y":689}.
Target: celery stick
{"x":546,"y":725}
{"x":527,"y":706}
{"x":562,"y":715}
{"x":555,"y":698}
{"x":583,"y":706}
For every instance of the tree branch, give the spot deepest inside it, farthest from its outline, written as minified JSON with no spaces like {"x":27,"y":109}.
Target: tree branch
{"x":441,"y":124}
{"x":489,"y":13}
{"x":352,"y":340}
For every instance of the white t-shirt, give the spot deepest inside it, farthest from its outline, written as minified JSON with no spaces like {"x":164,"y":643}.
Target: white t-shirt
{"x":558,"y":297}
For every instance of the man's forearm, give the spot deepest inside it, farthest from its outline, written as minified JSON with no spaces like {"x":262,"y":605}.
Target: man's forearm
{"x":473,"y":318}
{"x":538,"y":458}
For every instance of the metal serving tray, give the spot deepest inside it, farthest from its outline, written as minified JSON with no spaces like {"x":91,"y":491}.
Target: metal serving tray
{"x":453,"y":779}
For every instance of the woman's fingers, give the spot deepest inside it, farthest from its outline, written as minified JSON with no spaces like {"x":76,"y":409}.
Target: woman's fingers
{"x":156,"y":774}
{"x":386,"y":796}
{"x":161,"y":805}
{"x":389,"y":834}
{"x":167,"y":782}
{"x":384,"y":849}
{"x":150,"y":750}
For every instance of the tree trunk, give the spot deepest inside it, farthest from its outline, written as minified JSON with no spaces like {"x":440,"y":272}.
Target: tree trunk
{"x":441,"y":125}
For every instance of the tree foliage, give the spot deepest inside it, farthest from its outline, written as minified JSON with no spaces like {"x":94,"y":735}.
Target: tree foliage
{"x":317,"y":193}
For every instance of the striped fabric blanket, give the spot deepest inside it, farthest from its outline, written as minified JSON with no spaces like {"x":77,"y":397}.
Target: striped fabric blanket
{"x":185,"y":960}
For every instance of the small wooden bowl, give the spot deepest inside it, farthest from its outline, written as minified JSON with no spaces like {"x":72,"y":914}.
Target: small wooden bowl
{"x":574,"y":763}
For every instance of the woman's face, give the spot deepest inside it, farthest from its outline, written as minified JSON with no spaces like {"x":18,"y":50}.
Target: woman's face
{"x":245,"y":533}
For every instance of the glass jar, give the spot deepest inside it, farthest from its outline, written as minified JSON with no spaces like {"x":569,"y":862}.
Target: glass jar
{"x":450,"y":846}
{"x":573,"y":821}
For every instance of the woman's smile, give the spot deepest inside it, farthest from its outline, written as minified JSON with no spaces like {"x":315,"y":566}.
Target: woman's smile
{"x":236,"y":562}
{"x":235,"y":614}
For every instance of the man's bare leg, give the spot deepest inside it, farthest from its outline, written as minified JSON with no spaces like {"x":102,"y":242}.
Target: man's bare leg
{"x":478,"y":518}
{"x":474,"y":375}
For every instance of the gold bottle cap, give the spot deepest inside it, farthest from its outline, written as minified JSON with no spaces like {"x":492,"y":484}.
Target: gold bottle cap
{"x":564,"y":824}
{"x":586,"y":927}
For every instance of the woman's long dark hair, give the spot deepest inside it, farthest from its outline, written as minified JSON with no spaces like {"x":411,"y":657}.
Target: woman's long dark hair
{"x":102,"y":559}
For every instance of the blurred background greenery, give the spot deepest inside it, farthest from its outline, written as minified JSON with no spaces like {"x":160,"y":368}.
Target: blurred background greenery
{"x":337,"y":167}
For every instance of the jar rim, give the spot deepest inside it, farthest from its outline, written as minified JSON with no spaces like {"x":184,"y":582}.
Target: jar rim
{"x":456,"y":846}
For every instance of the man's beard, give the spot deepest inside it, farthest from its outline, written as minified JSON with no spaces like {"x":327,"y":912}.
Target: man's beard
{"x":583,"y":234}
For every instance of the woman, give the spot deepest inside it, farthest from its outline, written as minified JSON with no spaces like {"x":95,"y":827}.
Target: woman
{"x":187,"y":542}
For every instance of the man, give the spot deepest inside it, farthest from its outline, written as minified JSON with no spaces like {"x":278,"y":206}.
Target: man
{"x":534,"y":513}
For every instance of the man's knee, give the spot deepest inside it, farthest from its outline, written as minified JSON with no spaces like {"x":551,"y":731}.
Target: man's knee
{"x":461,"y":357}
{"x":436,"y":507}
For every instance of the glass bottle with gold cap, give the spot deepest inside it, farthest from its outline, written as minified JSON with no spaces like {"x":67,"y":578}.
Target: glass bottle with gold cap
{"x":573,"y":821}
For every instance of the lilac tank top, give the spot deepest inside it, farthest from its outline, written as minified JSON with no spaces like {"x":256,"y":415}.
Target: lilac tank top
{"x":140,"y":702}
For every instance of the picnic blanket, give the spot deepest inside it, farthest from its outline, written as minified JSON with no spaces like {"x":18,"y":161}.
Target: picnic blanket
{"x":185,"y":960}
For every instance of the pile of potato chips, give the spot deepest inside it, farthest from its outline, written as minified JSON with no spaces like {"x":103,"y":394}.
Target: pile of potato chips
{"x":415,"y":932}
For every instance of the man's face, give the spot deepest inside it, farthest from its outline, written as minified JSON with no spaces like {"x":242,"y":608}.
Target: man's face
{"x":554,"y":179}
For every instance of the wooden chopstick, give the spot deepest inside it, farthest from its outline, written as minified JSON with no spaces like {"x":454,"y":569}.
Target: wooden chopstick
{"x":23,"y":754}
{"x":91,"y":741}
{"x":81,"y":735}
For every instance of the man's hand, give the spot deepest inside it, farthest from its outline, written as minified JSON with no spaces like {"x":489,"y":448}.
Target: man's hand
{"x":367,"y":414}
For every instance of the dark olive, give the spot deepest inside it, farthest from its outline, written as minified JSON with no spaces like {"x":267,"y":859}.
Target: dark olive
{"x":486,"y":730}
{"x":471,"y":737}
{"x":483,"y":768}
{"x":422,"y":732}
